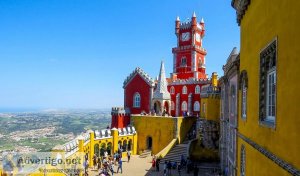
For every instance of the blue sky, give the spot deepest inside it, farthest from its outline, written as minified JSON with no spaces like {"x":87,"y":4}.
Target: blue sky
{"x":76,"y":53}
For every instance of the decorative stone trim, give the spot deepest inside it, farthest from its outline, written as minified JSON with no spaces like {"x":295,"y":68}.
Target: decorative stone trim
{"x":281,"y":163}
{"x":243,"y":76}
{"x":143,"y":74}
{"x":240,"y":6}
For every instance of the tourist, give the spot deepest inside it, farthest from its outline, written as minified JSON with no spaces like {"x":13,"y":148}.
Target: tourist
{"x":99,"y":163}
{"x":165,"y":168}
{"x":94,"y":161}
{"x":105,"y":154}
{"x":111,"y":168}
{"x":157,"y":164}
{"x":196,"y":170}
{"x":179,"y":169}
{"x":128,"y":155}
{"x":153,"y":163}
{"x":86,"y":167}
{"x":169,"y":167}
{"x":120,"y":166}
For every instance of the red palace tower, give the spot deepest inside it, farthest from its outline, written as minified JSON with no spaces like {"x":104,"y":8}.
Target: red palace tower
{"x":178,"y":95}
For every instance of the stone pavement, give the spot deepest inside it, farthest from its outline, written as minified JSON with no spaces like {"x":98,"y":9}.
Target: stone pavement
{"x":142,"y":167}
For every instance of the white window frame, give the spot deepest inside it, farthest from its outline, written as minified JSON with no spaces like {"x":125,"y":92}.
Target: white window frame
{"x":271,"y":96}
{"x":184,"y":90}
{"x":137,"y":100}
{"x":172,"y":90}
{"x":184,"y":106}
{"x":233,"y":99}
{"x":197,"y":89}
{"x":197,"y":106}
{"x":244,"y":100}
{"x":172,"y":105}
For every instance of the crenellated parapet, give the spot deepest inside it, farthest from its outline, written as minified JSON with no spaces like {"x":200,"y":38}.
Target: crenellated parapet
{"x":120,"y":111}
{"x":103,"y":136}
{"x":191,"y":81}
{"x":210,"y":91}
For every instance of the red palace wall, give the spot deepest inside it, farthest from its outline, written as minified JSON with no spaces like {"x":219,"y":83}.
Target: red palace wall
{"x":120,"y":120}
{"x":137,"y":84}
{"x":184,"y":97}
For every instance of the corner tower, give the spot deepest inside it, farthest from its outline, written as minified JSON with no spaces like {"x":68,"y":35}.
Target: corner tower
{"x":189,"y":55}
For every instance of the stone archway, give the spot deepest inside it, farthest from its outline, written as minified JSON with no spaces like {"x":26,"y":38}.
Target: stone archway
{"x":157,"y":108}
{"x":96,"y":150}
{"x":166,"y":108}
{"x":149,"y":143}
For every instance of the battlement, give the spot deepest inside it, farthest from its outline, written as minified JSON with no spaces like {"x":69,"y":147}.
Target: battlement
{"x":190,"y":81}
{"x":189,"y":47}
{"x":119,"y":110}
{"x":72,"y":147}
{"x":209,"y":90}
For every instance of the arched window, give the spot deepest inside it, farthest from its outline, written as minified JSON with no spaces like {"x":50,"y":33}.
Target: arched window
{"x":196,"y":106}
{"x":184,"y":90}
{"x":137,"y":100}
{"x":184,"y":106}
{"x":172,"y":105}
{"x":172,"y":90}
{"x":243,"y":87}
{"x":243,"y":161}
{"x":232,"y":100}
{"x":183,"y":61}
{"x":197,"y":89}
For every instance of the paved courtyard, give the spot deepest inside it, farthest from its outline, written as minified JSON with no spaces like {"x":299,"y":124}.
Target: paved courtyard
{"x":142,"y":166}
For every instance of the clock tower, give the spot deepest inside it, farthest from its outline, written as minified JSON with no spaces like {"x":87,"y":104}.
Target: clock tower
{"x":189,"y":55}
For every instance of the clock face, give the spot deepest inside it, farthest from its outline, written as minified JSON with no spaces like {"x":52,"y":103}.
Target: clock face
{"x":198,"y":37}
{"x":185,"y":36}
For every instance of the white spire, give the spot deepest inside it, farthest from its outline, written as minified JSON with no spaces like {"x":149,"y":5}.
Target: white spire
{"x":177,"y":19}
{"x":194,"y":14}
{"x":161,"y":91}
{"x":202,"y":20}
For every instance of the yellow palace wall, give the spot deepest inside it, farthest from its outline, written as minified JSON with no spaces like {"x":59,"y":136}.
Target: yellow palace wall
{"x":161,"y":129}
{"x":263,"y":21}
{"x":212,"y":108}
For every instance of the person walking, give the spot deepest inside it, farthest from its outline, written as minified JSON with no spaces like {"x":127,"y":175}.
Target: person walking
{"x":94,"y":161}
{"x":99,"y":163}
{"x":196,"y":170}
{"x":120,"y":166}
{"x":157,"y":164}
{"x":169,"y":168}
{"x":179,"y":169}
{"x":165,"y":168}
{"x":111,"y":168}
{"x":128,"y":155}
{"x":153,"y":163}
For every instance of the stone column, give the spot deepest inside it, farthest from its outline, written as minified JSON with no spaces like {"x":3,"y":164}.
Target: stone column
{"x":115,"y":135}
{"x":135,"y":143}
{"x":92,"y":141}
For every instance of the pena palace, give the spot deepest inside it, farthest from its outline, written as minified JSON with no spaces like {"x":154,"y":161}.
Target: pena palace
{"x":178,"y":95}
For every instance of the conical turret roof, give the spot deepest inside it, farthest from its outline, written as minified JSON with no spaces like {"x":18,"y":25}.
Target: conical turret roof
{"x":161,"y":91}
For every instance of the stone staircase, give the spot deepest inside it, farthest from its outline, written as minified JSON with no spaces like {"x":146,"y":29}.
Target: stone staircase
{"x":175,"y":153}
{"x":145,"y":154}
{"x":181,"y":149}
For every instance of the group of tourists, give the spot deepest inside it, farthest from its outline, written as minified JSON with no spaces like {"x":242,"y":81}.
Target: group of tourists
{"x":169,"y":166}
{"x":106,"y":164}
